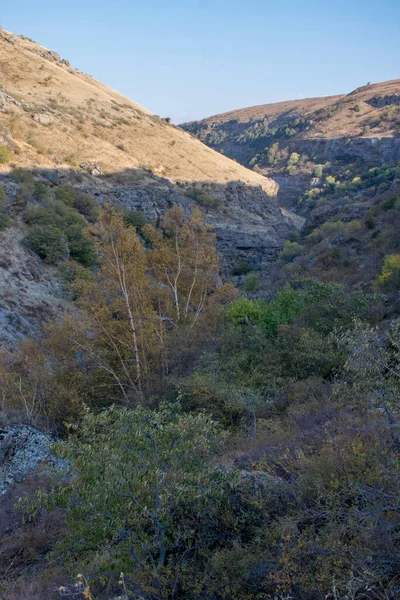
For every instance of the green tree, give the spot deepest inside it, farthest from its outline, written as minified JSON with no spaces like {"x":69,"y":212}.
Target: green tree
{"x":134,"y":471}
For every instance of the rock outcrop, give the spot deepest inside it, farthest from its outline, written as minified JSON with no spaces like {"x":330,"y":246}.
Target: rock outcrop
{"x":23,"y":450}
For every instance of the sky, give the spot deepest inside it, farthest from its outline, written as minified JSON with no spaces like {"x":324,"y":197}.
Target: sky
{"x":189,"y":59}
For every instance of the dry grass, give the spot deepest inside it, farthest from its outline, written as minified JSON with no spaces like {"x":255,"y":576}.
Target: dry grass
{"x":90,"y":120}
{"x":344,"y":123}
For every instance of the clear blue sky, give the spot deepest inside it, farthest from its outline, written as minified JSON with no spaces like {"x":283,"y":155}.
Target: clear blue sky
{"x":189,"y":59}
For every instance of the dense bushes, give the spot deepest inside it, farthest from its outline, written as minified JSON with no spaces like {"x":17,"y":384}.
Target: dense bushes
{"x":83,"y":203}
{"x":48,"y":242}
{"x":256,"y":456}
{"x":58,"y":232}
{"x":136,"y":472}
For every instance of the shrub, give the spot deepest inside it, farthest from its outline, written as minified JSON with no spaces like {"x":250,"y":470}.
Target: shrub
{"x":3,"y":197}
{"x":74,"y":277}
{"x":330,"y":183}
{"x":70,"y":159}
{"x":66,"y":194}
{"x":48,"y":242}
{"x":273,"y":154}
{"x":80,"y":247}
{"x":135,"y":218}
{"x":290,"y":250}
{"x":204,"y":199}
{"x":328,"y":229}
{"x":5,"y":154}
{"x":252,"y":283}
{"x":58,"y":216}
{"x":389,"y":279}
{"x":41,"y":191}
{"x":357,"y":108}
{"x":136,"y":473}
{"x":389,"y":203}
{"x":70,"y":271}
{"x":87,"y":206}
{"x":290,"y":131}
{"x":5,"y":221}
{"x":23,"y":176}
{"x":26,"y":186}
{"x":318,"y":170}
{"x":242,"y":267}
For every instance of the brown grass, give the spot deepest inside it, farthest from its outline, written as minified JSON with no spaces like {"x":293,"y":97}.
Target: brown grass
{"x":92,"y":119}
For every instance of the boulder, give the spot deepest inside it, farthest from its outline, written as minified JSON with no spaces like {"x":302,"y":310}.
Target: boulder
{"x":43,"y":118}
{"x":23,"y":449}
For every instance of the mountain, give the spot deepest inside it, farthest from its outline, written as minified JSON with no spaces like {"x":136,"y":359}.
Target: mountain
{"x":52,"y":112}
{"x":362,"y":126}
{"x":336,"y":160}
{"x":169,"y":428}
{"x":66,"y":128}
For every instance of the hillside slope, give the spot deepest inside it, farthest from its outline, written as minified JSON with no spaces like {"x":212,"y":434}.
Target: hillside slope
{"x":51,"y":114}
{"x":362,"y":126}
{"x":67,"y":129}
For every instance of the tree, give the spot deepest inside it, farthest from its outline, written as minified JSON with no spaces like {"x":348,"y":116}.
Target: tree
{"x":134,"y":472}
{"x":185,"y":264}
{"x":146,"y":306}
{"x":123,"y":341}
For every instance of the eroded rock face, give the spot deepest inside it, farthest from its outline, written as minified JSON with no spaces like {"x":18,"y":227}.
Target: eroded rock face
{"x":248,"y":223}
{"x":23,"y":450}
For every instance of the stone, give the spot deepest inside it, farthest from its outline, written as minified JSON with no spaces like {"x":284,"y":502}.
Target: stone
{"x":43,"y":118}
{"x":91,"y":168}
{"x":23,"y":450}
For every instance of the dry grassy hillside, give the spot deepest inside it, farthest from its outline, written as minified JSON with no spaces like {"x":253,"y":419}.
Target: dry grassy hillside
{"x":52,"y":115}
{"x":331,"y":116}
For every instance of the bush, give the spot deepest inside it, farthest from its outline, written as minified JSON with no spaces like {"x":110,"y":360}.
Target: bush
{"x":290,"y":250}
{"x":357,"y":108}
{"x":135,"y":218}
{"x":80,"y":247}
{"x":242,"y":267}
{"x":318,"y":170}
{"x":389,"y":279}
{"x":48,"y":242}
{"x":87,"y":206}
{"x":204,"y":199}
{"x":137,"y":473}
{"x":326,"y":230}
{"x":3,"y":197}
{"x":71,"y":160}
{"x":252,"y":283}
{"x":66,"y":194}
{"x":22,"y":176}
{"x":5,"y":154}
{"x":70,"y":271}
{"x":5,"y":221}
{"x":41,"y":191}
{"x":56,"y":215}
{"x":74,"y":277}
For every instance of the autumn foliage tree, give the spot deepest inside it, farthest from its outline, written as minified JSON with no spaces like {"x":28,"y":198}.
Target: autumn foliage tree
{"x":146,"y":307}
